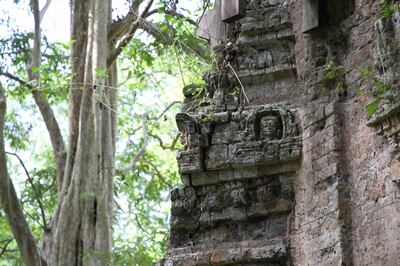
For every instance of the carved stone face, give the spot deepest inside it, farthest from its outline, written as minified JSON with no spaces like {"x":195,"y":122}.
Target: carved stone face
{"x":270,"y":127}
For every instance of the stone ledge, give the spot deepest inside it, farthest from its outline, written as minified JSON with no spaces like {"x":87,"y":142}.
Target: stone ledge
{"x":241,"y":253}
{"x":237,"y":174}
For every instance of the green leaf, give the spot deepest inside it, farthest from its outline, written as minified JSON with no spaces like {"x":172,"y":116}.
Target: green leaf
{"x":340,"y":88}
{"x":366,"y":70}
{"x":326,"y":68}
{"x":372,"y":107}
{"x":330,"y":75}
{"x":101,"y":73}
{"x":35,"y":69}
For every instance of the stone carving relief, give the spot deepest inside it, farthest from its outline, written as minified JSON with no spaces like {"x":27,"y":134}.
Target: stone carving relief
{"x":270,"y":127}
{"x":230,"y":202}
{"x":225,"y":141}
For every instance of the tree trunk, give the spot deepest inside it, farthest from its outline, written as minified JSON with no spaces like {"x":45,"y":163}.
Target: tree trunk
{"x":80,"y":231}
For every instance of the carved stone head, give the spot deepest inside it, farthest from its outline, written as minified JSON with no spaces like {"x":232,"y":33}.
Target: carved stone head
{"x":270,"y":127}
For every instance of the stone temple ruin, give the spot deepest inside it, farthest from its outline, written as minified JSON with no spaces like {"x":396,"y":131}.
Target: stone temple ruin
{"x":291,"y":151}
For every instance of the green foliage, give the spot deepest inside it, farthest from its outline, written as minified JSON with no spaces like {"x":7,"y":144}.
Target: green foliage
{"x":152,"y":74}
{"x":17,"y":132}
{"x":332,"y":71}
{"x":388,"y":10}
{"x":54,"y":70}
{"x":377,"y":82}
{"x":380,"y":91}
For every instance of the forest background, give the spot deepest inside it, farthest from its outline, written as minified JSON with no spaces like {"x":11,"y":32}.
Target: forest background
{"x":153,"y":68}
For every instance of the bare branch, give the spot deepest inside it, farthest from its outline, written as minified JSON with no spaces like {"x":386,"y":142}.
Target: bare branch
{"x":140,"y":226}
{"x":4,"y":248}
{"x":159,"y":175}
{"x":44,"y":9}
{"x":58,"y":56}
{"x":114,"y":54}
{"x":10,"y":202}
{"x":52,"y":126}
{"x":173,"y":144}
{"x":17,"y":79}
{"x":30,"y":180}
{"x":168,"y":107}
{"x":162,"y":145}
{"x":121,"y":27}
{"x":160,"y":115}
{"x":139,"y":155}
{"x":154,"y":31}
{"x":197,"y":49}
{"x":119,"y":206}
{"x":173,"y":13}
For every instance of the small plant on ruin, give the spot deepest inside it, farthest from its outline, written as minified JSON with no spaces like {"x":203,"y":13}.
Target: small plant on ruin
{"x":380,"y":90}
{"x":377,"y":78}
{"x":335,"y":72}
{"x":235,"y":92}
{"x":388,"y":10}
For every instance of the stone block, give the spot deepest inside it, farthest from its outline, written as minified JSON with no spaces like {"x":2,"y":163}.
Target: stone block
{"x":190,"y":161}
{"x":238,"y":214}
{"x":245,"y":173}
{"x":232,"y":10}
{"x":204,"y":178}
{"x":186,"y":180}
{"x":226,"y":175}
{"x":217,"y":157}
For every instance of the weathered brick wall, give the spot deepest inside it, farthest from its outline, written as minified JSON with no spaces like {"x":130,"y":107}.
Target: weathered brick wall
{"x":371,"y":164}
{"x":253,"y":196}
{"x":346,"y":200}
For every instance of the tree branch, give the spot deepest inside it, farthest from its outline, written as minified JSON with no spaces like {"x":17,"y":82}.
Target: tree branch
{"x":52,"y":126}
{"x":136,"y":158}
{"x":17,"y":79}
{"x":114,"y":54}
{"x":121,"y":27}
{"x":54,"y":131}
{"x":46,"y":55}
{"x":10,"y":202}
{"x":50,"y":121}
{"x":160,"y":141}
{"x":30,"y":180}
{"x":4,"y":248}
{"x":159,"y":175}
{"x":173,"y":13}
{"x":153,"y":30}
{"x":44,"y":9}
{"x":160,"y":115}
{"x":168,"y":107}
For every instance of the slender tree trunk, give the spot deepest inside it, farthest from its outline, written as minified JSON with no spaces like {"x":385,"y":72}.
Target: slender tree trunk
{"x":10,"y":202}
